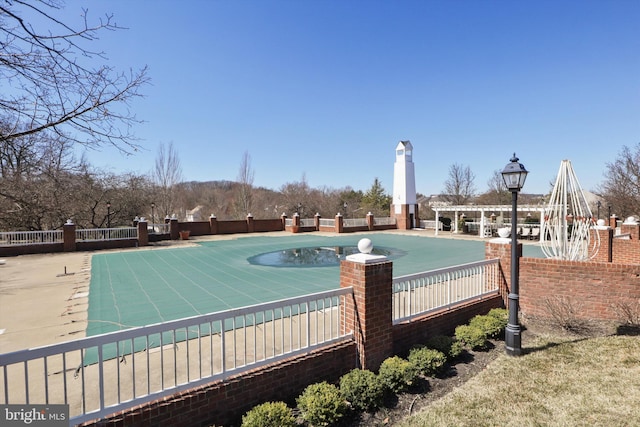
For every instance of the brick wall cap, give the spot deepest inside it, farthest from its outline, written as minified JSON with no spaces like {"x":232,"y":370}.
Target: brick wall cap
{"x":366,"y":258}
{"x":501,"y":240}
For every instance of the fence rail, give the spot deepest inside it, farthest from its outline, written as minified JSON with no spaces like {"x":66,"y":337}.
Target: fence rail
{"x":106,"y":233}
{"x":355,"y":222}
{"x":417,"y":294}
{"x":103,"y":374}
{"x":328,"y":222}
{"x":307,"y":222}
{"x":384,"y":221}
{"x":11,"y":238}
{"x":159,"y":228}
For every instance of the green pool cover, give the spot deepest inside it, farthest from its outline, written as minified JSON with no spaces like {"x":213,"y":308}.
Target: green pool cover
{"x":142,"y":287}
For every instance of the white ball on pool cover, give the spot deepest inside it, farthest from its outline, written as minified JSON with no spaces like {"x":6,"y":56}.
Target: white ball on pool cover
{"x":365,"y":246}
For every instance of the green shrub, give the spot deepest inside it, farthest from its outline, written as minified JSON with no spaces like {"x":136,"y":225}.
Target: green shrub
{"x":397,"y":374}
{"x":427,"y":361}
{"x":490,"y":325}
{"x":321,"y":404}
{"x":472,"y":337}
{"x":500,"y":313}
{"x":269,"y":414}
{"x":362,"y":389}
{"x":450,"y":346}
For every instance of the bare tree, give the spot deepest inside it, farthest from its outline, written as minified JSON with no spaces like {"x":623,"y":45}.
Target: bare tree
{"x":53,"y":81}
{"x":497,"y":193}
{"x":167,"y":173}
{"x":244,"y":197}
{"x":35,"y":181}
{"x":459,"y":188}
{"x":295,"y":198}
{"x":621,"y":188}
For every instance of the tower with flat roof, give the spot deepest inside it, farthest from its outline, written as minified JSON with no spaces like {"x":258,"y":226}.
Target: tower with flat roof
{"x":404,"y":207}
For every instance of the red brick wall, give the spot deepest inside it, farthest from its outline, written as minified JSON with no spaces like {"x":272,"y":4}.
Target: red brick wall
{"x":626,"y":251}
{"x":592,"y":287}
{"x":231,"y":227}
{"x":605,"y":251}
{"x":195,"y":228}
{"x":442,"y":322}
{"x":631,"y":229}
{"x":262,"y":225}
{"x":43,"y":248}
{"x":224,"y":402}
{"x":616,"y":249}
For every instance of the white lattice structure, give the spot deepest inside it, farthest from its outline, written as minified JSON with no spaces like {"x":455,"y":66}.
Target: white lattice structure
{"x":568,"y":219}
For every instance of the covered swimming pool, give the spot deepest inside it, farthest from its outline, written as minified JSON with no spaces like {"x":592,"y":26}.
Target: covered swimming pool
{"x":136,"y":288}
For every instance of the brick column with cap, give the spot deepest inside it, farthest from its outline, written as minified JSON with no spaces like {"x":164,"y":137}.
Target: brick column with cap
{"x":369,"y":313}
{"x":213,"y":224}
{"x":69,"y":236}
{"x":173,"y":229}
{"x":143,"y":233}
{"x":250,"y":224}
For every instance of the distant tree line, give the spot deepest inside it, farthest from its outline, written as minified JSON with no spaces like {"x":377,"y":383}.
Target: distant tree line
{"x":42,"y":185}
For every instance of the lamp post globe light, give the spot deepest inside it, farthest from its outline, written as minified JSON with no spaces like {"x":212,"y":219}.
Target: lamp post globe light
{"x":514,"y":175}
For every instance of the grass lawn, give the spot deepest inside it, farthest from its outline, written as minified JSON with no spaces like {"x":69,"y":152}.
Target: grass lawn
{"x":560,"y":381}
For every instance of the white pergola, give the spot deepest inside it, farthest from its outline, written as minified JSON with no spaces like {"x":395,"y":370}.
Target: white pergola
{"x":485,"y":213}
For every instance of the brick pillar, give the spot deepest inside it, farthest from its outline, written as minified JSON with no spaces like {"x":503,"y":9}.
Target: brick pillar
{"x":632,"y":229}
{"x":295,"y":227}
{"x":613,"y":221}
{"x":370,"y":221}
{"x":283,"y":218}
{"x":501,"y":248}
{"x":339,"y":225}
{"x":250,"y":224}
{"x":69,"y":236}
{"x":143,"y":233}
{"x":369,"y":313}
{"x":605,"y":251}
{"x":213,"y":224}
{"x":173,"y":229}
{"x":316,"y":221}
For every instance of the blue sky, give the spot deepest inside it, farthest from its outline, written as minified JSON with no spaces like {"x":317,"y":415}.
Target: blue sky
{"x":326,"y":89}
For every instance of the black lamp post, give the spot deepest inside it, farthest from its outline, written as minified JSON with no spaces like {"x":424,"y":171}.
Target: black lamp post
{"x":108,"y":214}
{"x":514,"y":175}
{"x":345,"y":209}
{"x":153,"y":216}
{"x":598,"y":204}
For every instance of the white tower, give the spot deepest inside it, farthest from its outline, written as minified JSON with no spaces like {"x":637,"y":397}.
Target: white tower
{"x":404,"y":207}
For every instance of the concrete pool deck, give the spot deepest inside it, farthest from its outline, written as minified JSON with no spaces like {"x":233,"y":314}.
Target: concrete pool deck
{"x":44,"y":298}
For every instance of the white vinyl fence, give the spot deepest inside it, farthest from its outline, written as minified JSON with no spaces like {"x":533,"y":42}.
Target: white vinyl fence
{"x":384,"y":221}
{"x":417,"y":294}
{"x":355,"y":222}
{"x":107,"y":233}
{"x":13,"y":238}
{"x":103,"y":374}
